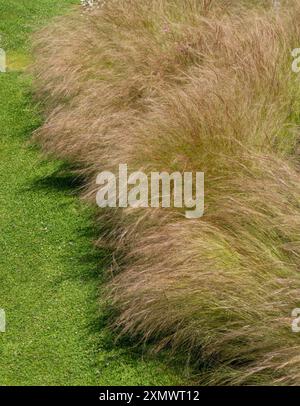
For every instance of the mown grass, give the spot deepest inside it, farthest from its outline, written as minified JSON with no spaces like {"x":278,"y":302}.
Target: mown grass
{"x":49,"y":273}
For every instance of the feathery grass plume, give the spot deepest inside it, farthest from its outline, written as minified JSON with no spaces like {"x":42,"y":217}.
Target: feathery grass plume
{"x":188,"y":85}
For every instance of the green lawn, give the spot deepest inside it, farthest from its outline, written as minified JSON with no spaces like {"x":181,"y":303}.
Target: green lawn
{"x":49,"y":273}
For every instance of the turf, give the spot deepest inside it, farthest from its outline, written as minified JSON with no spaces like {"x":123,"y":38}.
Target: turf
{"x":56,"y":333}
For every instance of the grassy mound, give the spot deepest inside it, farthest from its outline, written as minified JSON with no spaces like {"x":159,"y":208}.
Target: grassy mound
{"x":188,"y":85}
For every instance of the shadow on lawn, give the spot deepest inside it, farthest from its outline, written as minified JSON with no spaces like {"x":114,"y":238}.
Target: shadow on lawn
{"x":62,"y":180}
